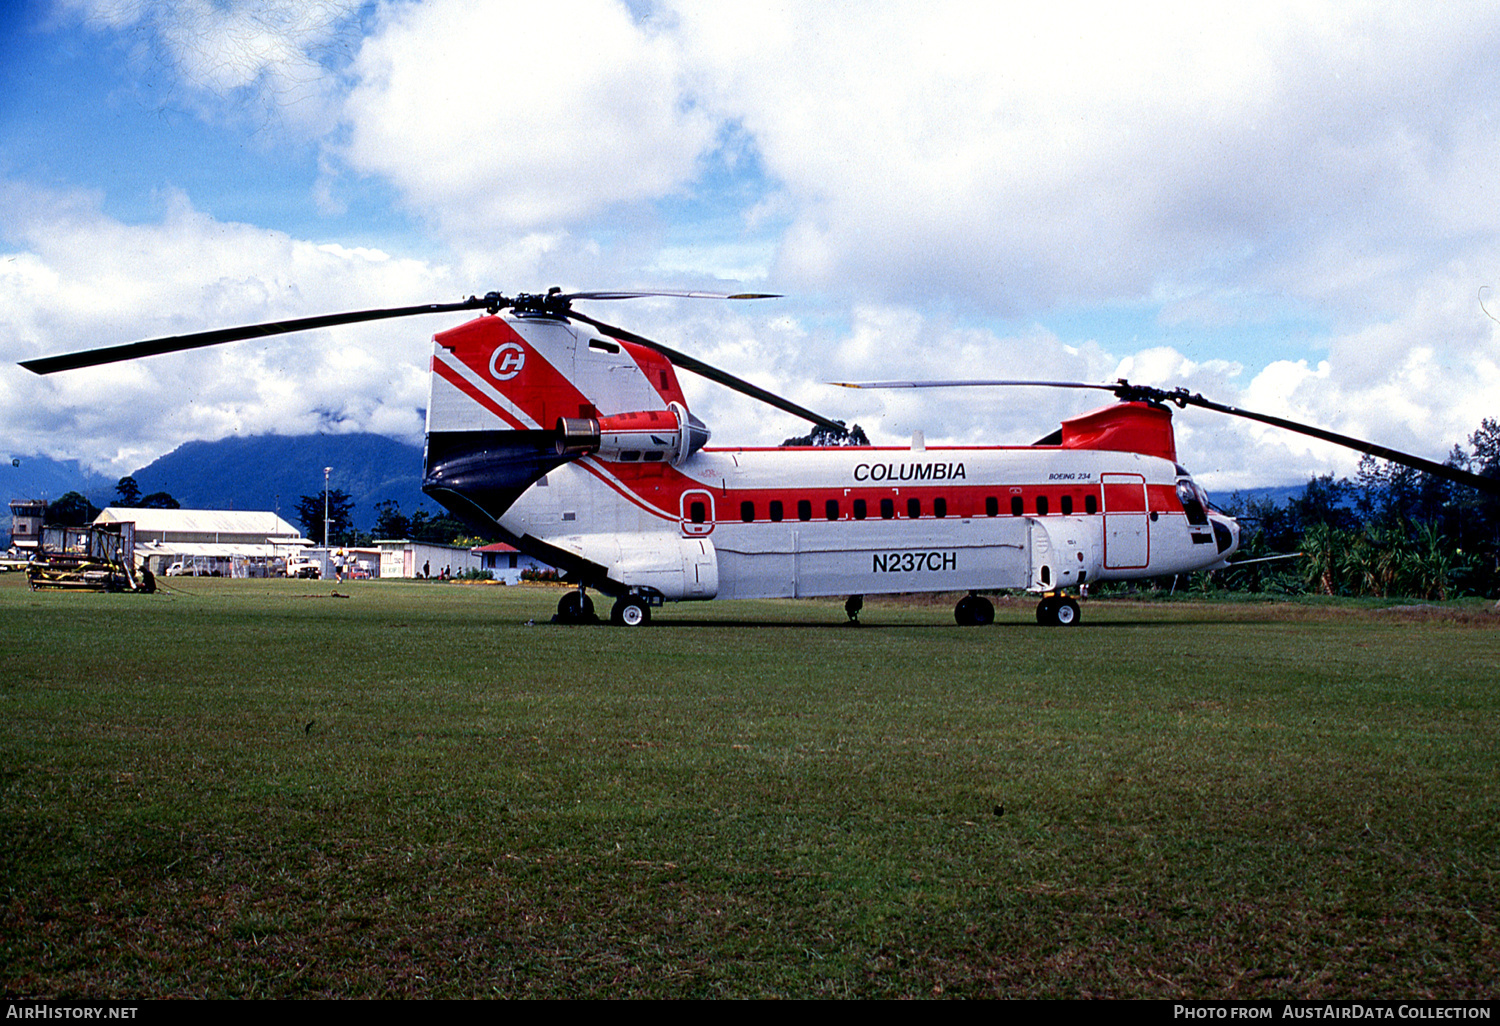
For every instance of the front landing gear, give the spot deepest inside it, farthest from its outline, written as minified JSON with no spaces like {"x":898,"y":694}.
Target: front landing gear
{"x":1057,"y":611}
{"x":974,"y":611}
{"x":630,"y":611}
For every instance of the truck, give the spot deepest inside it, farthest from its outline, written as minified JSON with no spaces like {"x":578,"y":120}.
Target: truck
{"x":303,"y":566}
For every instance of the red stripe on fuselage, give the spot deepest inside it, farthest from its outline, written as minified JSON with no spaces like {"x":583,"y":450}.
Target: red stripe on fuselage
{"x":657,"y":489}
{"x":469,"y":389}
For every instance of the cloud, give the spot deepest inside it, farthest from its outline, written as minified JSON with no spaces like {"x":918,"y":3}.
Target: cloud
{"x":516,"y":116}
{"x":937,"y":186}
{"x":76,"y":278}
{"x":1065,"y":154}
{"x":273,"y":61}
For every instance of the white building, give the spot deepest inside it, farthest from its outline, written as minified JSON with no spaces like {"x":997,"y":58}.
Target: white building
{"x":506,"y":562}
{"x":402,"y":558}
{"x":226,"y":543}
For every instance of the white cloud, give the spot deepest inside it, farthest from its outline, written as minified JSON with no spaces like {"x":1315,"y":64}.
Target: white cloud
{"x":492,"y":116}
{"x":266,"y":59}
{"x":1021,"y":157}
{"x":910,"y":170}
{"x":79,"y":279}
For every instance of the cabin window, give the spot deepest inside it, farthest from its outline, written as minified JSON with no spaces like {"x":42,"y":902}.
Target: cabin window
{"x":630,"y":456}
{"x":861,"y":509}
{"x":887,"y":509}
{"x":991,"y":506}
{"x":747,"y":512}
{"x":939,"y":507}
{"x":697,"y":512}
{"x":652,"y":457}
{"x":831,"y":509}
{"x":1041,"y":505}
{"x":1016,"y":509}
{"x":776,"y":513}
{"x":1067,"y":505}
{"x":804,"y":509}
{"x":1091,"y":504}
{"x":914,"y":508}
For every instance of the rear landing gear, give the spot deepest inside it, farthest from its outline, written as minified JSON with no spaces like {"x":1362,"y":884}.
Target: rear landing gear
{"x":1057,"y":611}
{"x":575,"y":607}
{"x":974,"y":611}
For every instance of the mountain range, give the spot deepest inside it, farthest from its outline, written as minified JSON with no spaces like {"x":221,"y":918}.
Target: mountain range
{"x":265,"y":472}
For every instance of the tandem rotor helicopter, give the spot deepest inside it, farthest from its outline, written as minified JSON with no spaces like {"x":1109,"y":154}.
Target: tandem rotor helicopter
{"x":572,"y":439}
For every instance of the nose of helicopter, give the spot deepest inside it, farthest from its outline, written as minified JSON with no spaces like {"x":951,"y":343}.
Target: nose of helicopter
{"x":1226,"y":534}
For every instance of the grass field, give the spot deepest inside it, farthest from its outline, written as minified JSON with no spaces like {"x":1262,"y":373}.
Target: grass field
{"x":252,"y":788}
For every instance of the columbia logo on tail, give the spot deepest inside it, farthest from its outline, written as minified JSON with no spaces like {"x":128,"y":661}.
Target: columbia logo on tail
{"x":507,"y":360}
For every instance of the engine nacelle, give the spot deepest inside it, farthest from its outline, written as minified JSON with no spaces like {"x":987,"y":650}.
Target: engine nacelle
{"x":657,"y":563}
{"x":647,"y":436}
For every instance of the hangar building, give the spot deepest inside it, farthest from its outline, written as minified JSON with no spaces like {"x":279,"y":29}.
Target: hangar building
{"x":226,"y":543}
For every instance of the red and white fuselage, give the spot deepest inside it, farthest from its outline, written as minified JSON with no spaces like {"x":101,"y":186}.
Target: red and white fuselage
{"x":581,"y":450}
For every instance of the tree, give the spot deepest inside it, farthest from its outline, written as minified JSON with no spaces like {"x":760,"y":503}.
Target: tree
{"x":1324,"y":501}
{"x":390,"y":522}
{"x":822,"y":436}
{"x":127,"y":492}
{"x":340,"y":515}
{"x":159,"y":500}
{"x":71,"y":510}
{"x":438,"y":530}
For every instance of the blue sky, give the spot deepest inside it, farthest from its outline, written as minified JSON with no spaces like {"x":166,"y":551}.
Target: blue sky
{"x":1291,"y":208}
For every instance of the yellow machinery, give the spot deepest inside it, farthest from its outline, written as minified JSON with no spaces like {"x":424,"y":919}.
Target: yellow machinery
{"x":99,"y":557}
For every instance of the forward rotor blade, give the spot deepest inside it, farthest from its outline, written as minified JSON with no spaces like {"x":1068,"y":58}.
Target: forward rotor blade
{"x":200,"y":339}
{"x":570,"y":296}
{"x":713,"y":373}
{"x":971,"y":383}
{"x":1181,"y":398}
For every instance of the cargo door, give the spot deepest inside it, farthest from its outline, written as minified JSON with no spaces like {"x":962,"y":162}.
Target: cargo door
{"x":1127,"y":527}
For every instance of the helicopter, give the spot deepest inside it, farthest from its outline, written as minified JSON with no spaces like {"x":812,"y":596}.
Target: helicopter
{"x":572,"y":440}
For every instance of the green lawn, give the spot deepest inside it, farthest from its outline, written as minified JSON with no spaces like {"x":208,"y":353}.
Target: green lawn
{"x":251,"y":788}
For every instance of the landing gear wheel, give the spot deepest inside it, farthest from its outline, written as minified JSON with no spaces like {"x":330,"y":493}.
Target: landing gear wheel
{"x":575,"y":607}
{"x":630,"y":612}
{"x":1057,"y":611}
{"x":974,"y":611}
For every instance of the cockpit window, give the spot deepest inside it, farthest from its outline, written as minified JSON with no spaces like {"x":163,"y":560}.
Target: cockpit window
{"x":1192,"y":500}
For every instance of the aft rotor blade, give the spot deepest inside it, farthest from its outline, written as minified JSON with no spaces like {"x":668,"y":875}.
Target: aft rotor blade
{"x":713,"y":373}
{"x":200,"y":339}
